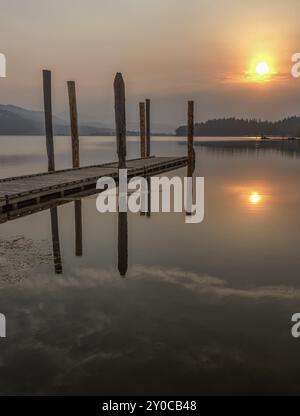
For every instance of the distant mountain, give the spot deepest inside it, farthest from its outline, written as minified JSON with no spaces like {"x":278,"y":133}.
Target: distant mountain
{"x":156,"y":128}
{"x":20,"y":121}
{"x":86,"y":120}
{"x":244,"y":127}
{"x":12,"y":123}
{"x":36,"y":116}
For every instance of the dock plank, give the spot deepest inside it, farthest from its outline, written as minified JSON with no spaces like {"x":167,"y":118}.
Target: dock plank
{"x":20,"y":189}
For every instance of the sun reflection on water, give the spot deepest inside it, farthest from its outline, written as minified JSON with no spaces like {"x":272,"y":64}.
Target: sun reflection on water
{"x":252,"y":197}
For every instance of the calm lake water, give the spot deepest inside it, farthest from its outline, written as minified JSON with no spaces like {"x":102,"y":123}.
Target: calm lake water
{"x":204,"y":308}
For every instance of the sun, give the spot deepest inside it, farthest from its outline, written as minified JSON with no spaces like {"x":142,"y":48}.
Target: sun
{"x":262,"y":68}
{"x":255,"y":198}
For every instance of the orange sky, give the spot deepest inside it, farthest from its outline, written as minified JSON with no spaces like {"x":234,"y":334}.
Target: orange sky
{"x":168,"y":50}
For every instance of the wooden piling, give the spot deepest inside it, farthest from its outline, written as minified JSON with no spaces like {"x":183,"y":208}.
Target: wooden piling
{"x":74,"y":123}
{"x":120,"y":116}
{"x":190,"y":138}
{"x":48,"y":119}
{"x":76,"y":163}
{"x":51,"y":167}
{"x":148,"y":130}
{"x":142,"y":129}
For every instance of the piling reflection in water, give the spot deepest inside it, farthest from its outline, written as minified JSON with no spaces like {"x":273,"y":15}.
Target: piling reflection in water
{"x":122,"y":238}
{"x":190,"y":190}
{"x":78,"y":227}
{"x":122,"y":243}
{"x":76,"y":200}
{"x":149,"y":197}
{"x":55,"y":241}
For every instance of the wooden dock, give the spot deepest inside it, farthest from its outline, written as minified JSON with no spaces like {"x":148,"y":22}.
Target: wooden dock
{"x":27,"y":194}
{"x":29,"y":190}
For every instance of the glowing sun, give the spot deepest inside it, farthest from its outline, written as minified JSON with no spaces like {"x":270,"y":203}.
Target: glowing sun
{"x":262,"y":68}
{"x":255,"y":198}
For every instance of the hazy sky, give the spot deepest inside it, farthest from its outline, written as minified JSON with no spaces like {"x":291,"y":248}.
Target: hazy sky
{"x":167,"y":50}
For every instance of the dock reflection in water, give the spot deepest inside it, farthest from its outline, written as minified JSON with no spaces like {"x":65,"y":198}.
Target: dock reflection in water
{"x":53,"y":210}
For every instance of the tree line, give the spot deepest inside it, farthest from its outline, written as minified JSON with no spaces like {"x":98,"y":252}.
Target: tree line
{"x":244,"y":127}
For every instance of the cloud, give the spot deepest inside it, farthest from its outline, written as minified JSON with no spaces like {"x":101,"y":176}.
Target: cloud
{"x":202,"y":283}
{"x":197,"y":283}
{"x":19,"y":258}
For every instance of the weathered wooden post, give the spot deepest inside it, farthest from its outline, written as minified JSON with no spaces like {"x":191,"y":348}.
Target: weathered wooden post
{"x":190,"y":138}
{"x":74,"y":123}
{"x":48,"y":119}
{"x":120,"y":116}
{"x":76,"y":163}
{"x":148,"y":132}
{"x":51,"y":166}
{"x":142,"y":129}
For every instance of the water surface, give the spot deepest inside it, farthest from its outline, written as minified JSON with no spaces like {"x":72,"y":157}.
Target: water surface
{"x":203,"y":308}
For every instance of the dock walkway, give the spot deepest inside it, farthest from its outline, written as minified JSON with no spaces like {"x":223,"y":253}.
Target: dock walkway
{"x":21,"y":191}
